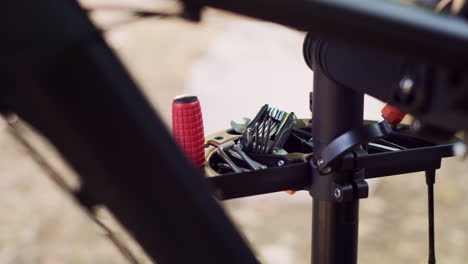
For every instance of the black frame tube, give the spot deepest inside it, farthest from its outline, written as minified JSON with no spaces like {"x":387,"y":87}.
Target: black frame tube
{"x":84,"y":101}
{"x":336,"y":110}
{"x":396,"y":28}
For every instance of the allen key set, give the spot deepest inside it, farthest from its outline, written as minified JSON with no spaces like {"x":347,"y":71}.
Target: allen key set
{"x":268,"y":123}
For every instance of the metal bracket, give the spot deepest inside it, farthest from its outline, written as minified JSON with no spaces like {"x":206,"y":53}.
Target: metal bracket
{"x":339,"y":191}
{"x":357,"y":189}
{"x":345,"y":142}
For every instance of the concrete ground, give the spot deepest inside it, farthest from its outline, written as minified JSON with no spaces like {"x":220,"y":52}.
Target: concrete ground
{"x":234,"y":65}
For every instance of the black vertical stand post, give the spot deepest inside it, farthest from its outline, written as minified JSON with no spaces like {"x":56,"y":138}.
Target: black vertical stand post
{"x":336,"y":109}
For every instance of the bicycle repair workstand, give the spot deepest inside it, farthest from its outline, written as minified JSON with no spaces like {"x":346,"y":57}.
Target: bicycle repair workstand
{"x":336,"y":175}
{"x":60,"y":76}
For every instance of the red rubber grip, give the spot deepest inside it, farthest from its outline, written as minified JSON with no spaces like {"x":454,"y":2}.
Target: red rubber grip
{"x":393,"y":114}
{"x":187,"y":128}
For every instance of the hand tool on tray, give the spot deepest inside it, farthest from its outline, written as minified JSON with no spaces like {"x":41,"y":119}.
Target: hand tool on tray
{"x":268,"y":123}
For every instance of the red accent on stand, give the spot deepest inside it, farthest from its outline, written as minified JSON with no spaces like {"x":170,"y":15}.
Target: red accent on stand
{"x":392,"y":114}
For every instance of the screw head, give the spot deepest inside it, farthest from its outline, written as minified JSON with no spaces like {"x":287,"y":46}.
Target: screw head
{"x":406,"y":85}
{"x":280,"y":163}
{"x":459,"y":150}
{"x":337,"y":193}
{"x":320,"y":161}
{"x":417,"y":125}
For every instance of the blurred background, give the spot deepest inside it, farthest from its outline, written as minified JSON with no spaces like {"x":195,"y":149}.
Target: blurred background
{"x":234,"y":65}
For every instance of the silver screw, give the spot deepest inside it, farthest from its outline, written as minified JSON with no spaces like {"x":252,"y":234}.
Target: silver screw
{"x":459,"y":150}
{"x":280,"y":163}
{"x":337,"y":193}
{"x":320,"y":161}
{"x":417,"y":125}
{"x":406,"y":85}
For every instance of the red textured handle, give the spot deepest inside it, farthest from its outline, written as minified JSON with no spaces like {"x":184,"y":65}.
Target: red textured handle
{"x":187,"y":128}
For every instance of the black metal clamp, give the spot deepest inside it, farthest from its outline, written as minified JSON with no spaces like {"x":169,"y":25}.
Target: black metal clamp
{"x":339,"y":190}
{"x":328,"y":162}
{"x":342,"y":144}
{"x":357,"y":188}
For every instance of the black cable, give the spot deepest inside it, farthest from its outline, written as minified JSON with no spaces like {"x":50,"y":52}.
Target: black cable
{"x":430,"y":180}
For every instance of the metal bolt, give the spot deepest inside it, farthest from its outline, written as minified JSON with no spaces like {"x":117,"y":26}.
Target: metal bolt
{"x":417,"y":125}
{"x":280,"y":163}
{"x":459,"y":150}
{"x":337,"y":193}
{"x":406,"y":85}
